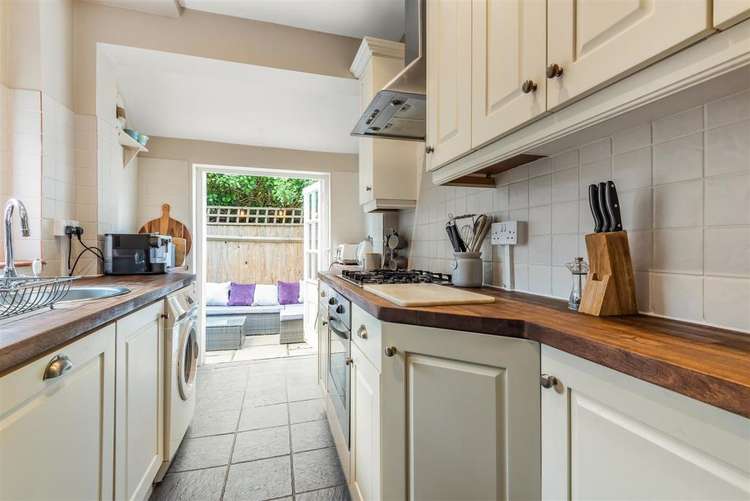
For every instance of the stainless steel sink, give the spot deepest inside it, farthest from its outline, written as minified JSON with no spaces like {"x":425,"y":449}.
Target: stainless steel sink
{"x":93,"y":292}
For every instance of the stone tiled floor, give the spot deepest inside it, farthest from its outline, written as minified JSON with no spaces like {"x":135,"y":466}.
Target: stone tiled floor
{"x":259,"y":433}
{"x":258,"y":348}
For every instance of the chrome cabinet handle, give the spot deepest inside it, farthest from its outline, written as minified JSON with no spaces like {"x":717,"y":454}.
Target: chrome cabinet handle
{"x":325,"y":323}
{"x":368,"y":188}
{"x":429,"y":149}
{"x":548,"y":381}
{"x":390,"y":351}
{"x":58,"y":366}
{"x":362,"y":332}
{"x":554,"y":71}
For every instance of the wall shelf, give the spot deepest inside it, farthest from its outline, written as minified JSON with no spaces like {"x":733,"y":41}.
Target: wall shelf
{"x":130,"y":147}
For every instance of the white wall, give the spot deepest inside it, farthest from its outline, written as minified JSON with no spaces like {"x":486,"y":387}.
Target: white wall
{"x":164,"y":181}
{"x":684,"y":186}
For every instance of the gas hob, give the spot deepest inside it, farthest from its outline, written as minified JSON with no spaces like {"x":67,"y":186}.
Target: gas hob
{"x":361,"y":278}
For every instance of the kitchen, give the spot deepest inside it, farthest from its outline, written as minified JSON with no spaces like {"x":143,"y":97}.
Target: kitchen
{"x":528,"y":135}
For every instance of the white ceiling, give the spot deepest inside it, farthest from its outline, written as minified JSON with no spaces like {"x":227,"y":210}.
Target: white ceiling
{"x":188,"y":97}
{"x":354,"y":18}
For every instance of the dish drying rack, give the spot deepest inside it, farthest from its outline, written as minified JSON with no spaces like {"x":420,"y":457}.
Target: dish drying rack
{"x":20,"y":295}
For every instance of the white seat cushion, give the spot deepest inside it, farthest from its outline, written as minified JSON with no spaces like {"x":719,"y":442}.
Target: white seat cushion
{"x":240,"y":310}
{"x":292,"y":312}
{"x":217,"y":294}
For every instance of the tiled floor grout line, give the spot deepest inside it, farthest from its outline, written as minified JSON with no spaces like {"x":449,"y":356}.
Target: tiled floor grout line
{"x":289,"y":423}
{"x":234,"y":439}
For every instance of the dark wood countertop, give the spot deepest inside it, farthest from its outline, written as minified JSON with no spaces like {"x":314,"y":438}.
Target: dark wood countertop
{"x":30,"y":336}
{"x":705,"y":363}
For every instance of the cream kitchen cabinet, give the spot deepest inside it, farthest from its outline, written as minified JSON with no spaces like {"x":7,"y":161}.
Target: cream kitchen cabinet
{"x":448,"y":80}
{"x":364,"y":469}
{"x":139,"y":444}
{"x":509,"y":55}
{"x":499,"y":72}
{"x":594,"y":42}
{"x":607,"y":435}
{"x":466,"y":404}
{"x":57,"y":423}
{"x":387,"y":168}
{"x":729,"y":12}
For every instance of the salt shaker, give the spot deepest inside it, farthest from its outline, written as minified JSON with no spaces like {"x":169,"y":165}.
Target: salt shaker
{"x":578,"y":267}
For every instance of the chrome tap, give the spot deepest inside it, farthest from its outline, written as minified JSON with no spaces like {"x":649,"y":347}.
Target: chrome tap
{"x":10,"y":266}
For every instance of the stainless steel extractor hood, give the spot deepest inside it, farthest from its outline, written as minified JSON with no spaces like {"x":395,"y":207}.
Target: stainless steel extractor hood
{"x":398,"y":111}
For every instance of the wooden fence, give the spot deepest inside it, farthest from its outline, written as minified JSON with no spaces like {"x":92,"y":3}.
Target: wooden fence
{"x":254,"y":252}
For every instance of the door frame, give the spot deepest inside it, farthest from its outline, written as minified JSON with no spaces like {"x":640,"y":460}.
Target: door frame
{"x":198,"y":260}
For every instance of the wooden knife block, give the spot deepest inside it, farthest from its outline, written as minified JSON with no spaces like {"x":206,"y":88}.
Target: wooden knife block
{"x":610,"y":284}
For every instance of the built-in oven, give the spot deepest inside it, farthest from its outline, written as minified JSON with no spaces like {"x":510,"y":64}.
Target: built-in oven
{"x":339,"y":359}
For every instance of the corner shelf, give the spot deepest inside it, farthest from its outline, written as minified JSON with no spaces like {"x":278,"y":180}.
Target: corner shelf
{"x":130,"y":147}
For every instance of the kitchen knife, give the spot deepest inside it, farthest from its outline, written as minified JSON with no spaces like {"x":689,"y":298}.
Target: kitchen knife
{"x":613,"y":207}
{"x":594,"y":205}
{"x":601,"y":196}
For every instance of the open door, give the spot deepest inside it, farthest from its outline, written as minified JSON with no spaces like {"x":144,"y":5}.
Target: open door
{"x":315,"y":253}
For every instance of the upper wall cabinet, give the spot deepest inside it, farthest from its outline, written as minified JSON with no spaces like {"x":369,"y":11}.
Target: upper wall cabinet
{"x":387,"y":167}
{"x":508,"y":51}
{"x":448,"y":80}
{"x":593,"y":42}
{"x":729,"y":12}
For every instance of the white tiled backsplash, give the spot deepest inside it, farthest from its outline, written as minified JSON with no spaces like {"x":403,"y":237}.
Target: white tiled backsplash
{"x":684,"y":187}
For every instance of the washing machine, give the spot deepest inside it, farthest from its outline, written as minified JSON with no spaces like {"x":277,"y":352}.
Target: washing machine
{"x":181,"y":352}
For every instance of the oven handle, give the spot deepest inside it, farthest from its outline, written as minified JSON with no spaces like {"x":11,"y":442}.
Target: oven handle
{"x":342,"y":334}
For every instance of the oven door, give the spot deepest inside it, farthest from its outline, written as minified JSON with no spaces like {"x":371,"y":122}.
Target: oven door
{"x":339,"y":372}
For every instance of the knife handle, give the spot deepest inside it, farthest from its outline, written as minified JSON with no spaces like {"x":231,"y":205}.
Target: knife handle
{"x":602,"y":197}
{"x":613,"y":207}
{"x":594,"y":205}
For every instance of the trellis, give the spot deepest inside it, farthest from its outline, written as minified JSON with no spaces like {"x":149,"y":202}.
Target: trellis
{"x":253,"y":216}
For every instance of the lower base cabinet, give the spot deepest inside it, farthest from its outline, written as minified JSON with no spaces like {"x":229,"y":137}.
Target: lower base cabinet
{"x":57,"y":434}
{"x":139,"y":444}
{"x":606,"y":435}
{"x":364,"y":470}
{"x":442,"y":415}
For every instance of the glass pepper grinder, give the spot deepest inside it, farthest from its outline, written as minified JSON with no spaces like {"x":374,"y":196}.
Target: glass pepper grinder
{"x":578,"y":267}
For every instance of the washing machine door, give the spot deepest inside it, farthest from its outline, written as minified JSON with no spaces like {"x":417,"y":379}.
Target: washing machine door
{"x":187,"y":363}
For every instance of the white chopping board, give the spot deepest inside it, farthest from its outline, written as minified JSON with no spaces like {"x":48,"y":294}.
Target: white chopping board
{"x":426,"y":294}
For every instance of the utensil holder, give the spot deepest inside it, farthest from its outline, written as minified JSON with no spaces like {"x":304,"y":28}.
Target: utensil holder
{"x":467,"y":269}
{"x":610,"y":284}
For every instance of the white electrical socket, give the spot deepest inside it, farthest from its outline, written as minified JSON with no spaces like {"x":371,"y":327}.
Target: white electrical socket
{"x":58,"y":228}
{"x":504,"y":233}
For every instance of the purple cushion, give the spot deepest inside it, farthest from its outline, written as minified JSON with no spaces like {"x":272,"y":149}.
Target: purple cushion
{"x":241,"y":294}
{"x":288,"y":292}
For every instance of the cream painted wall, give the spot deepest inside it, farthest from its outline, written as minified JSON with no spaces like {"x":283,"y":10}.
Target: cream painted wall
{"x":56,"y":40}
{"x":204,"y":35}
{"x":169,"y":161}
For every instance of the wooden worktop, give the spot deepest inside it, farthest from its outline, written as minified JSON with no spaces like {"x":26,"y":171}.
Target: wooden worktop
{"x":27,"y":337}
{"x":702,"y":362}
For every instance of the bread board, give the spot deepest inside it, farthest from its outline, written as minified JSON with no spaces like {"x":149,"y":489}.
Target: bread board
{"x":426,"y":294}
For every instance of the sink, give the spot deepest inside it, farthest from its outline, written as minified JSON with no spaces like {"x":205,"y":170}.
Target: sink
{"x":93,"y":292}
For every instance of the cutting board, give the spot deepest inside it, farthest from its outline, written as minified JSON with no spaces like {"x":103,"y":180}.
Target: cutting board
{"x":166,"y":225}
{"x":426,"y":294}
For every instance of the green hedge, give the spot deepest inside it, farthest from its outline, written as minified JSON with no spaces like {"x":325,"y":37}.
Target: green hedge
{"x":255,"y":191}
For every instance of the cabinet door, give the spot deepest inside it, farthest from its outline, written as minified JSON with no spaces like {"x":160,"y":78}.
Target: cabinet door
{"x":365,"y":432}
{"x":606,"y":435}
{"x":595,"y":42}
{"x":322,"y":330}
{"x":448,"y":80}
{"x":466,"y":406}
{"x":729,"y":12}
{"x":508,"y":49}
{"x":57,"y":435}
{"x":139,"y":444}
